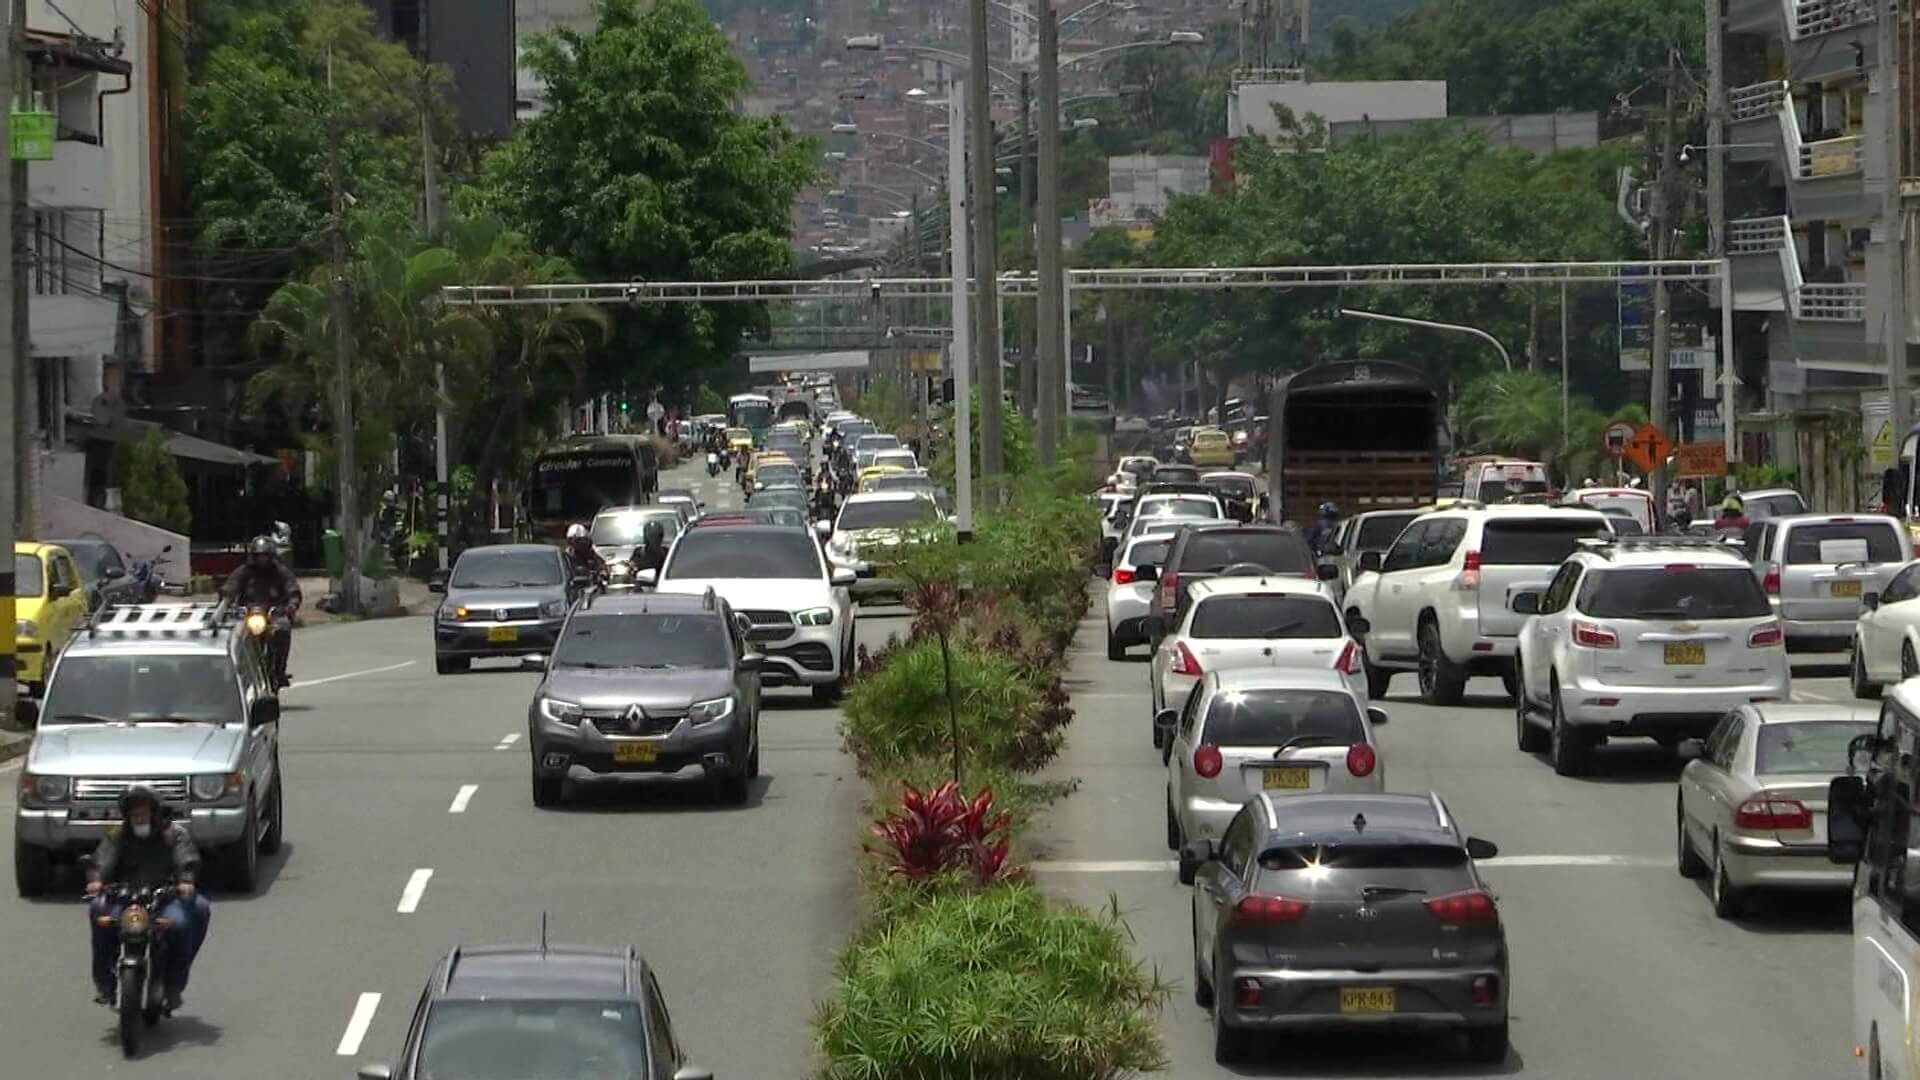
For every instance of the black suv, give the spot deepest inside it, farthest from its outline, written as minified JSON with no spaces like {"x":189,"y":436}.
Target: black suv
{"x":1202,"y":549}
{"x":560,"y":1010}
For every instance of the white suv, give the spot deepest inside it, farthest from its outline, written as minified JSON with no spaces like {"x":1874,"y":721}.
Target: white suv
{"x":1650,"y":636}
{"x":1436,"y":602}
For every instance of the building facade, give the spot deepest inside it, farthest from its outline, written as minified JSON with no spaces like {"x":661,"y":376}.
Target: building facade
{"x":474,"y":39}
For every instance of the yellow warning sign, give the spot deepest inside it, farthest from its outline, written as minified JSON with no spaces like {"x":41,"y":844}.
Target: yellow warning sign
{"x":1883,"y":446}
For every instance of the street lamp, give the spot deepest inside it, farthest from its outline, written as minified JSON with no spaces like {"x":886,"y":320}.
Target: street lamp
{"x":1402,"y":320}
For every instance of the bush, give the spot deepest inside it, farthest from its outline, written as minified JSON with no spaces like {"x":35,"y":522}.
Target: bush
{"x":151,"y":487}
{"x":996,"y":984}
{"x":898,"y":710}
{"x":941,"y":835}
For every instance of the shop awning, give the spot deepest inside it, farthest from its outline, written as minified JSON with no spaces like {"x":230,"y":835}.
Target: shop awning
{"x":181,"y":445}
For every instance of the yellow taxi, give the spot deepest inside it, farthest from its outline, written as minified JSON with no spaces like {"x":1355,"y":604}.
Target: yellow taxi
{"x":48,"y":604}
{"x":1211,"y":447}
{"x":739,"y":440}
{"x":870,"y":475}
{"x":761,"y":458}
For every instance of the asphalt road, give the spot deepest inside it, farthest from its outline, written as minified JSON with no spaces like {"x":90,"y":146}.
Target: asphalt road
{"x":410,"y":829}
{"x":1620,"y":968}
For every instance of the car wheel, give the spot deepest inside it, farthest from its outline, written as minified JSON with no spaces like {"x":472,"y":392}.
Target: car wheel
{"x":1909,"y":667}
{"x":1863,"y":688}
{"x":1488,"y":1045}
{"x":452,"y":665}
{"x":1729,"y":901}
{"x":1229,"y":1043}
{"x":32,"y":868}
{"x":1441,"y":680}
{"x":1510,"y":681}
{"x":829,"y":693}
{"x":276,"y":816}
{"x":1688,"y":860}
{"x":1527,"y":735}
{"x":1572,"y":751}
{"x":753,"y":755}
{"x":734,"y":785}
{"x":242,"y":857}
{"x":1173,"y":826}
{"x":1115,"y":649}
{"x":547,"y":790}
{"x":1202,"y":985}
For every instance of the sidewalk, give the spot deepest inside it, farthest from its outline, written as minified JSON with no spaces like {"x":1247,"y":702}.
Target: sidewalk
{"x":14,"y":744}
{"x":414,"y":600}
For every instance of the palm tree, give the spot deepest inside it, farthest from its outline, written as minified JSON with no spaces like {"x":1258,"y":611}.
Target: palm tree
{"x":1513,"y":412}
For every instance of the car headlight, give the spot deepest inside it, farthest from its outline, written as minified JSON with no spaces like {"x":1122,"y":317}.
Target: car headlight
{"x":25,"y":628}
{"x":553,"y":609}
{"x":819,"y":616}
{"x":560,"y":712}
{"x":207,"y":786}
{"x":707,"y":712}
{"x":46,"y":789}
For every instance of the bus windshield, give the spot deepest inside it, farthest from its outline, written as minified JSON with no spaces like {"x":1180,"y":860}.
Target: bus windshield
{"x":752,"y":413}
{"x":577,"y":486}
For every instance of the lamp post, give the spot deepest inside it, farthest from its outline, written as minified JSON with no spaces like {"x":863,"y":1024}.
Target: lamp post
{"x":1402,"y":320}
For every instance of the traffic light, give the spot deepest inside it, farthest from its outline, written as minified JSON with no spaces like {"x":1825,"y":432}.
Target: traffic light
{"x":623,"y":406}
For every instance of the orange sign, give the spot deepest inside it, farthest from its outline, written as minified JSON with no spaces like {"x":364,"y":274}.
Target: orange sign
{"x":1700,"y":460}
{"x":1648,"y":448}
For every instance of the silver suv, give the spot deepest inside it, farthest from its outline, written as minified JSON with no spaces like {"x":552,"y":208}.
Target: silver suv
{"x":1816,"y":568}
{"x":176,"y":697}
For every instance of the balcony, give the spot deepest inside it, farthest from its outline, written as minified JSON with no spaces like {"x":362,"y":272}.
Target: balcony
{"x":78,"y":177}
{"x":1824,"y":176}
{"x":1828,"y":329}
{"x":1807,"y":31}
{"x":1812,"y":18}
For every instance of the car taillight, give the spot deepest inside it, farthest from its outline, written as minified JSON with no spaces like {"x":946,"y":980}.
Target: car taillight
{"x":1207,"y":760}
{"x":1763,"y":636}
{"x":1463,"y":907}
{"x":1184,"y":662}
{"x":1595,"y":637}
{"x":1361,"y":759}
{"x":1469,"y":578}
{"x":1169,"y":588}
{"x":1269,"y":909}
{"x":1348,"y":662}
{"x":1771,"y":582}
{"x":1123,"y":577}
{"x":1770,"y":813}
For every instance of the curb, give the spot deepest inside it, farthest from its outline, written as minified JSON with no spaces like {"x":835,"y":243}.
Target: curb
{"x":14,"y":744}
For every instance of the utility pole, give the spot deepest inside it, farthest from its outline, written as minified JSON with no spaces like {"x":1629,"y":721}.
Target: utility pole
{"x":920,"y":425}
{"x":1894,"y":218}
{"x":1717,"y":215}
{"x":986,"y":267}
{"x":431,"y":213}
{"x":1029,"y":336}
{"x":349,"y":503}
{"x":26,"y":410}
{"x":1048,"y":284}
{"x":9,"y":367}
{"x":957,"y":205}
{"x":1662,"y":210}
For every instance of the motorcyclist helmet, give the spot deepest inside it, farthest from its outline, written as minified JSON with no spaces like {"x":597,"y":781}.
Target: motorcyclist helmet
{"x":576,"y":533}
{"x":141,"y":795}
{"x":1329,"y":510}
{"x":653,"y":535}
{"x":1733,"y":505}
{"x":261,"y":552}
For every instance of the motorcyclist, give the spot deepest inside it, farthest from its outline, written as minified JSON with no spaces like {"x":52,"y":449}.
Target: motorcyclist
{"x":264,"y":581}
{"x":652,"y":552}
{"x":1323,"y":530}
{"x":147,"y":850}
{"x":823,"y":498}
{"x":1733,"y":515}
{"x":581,"y":558}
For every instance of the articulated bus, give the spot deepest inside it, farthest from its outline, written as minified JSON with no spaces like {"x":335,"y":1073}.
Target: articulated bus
{"x":753,"y":412}
{"x":573,"y":480}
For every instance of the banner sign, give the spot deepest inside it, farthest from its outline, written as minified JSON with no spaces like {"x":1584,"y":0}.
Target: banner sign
{"x":820,"y":361}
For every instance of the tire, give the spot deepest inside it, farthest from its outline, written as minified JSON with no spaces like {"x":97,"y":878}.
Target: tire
{"x":240,"y":862}
{"x":735,"y":786}
{"x":276,"y":817}
{"x":1229,"y":1043}
{"x":1863,"y":688}
{"x":1510,"y":681}
{"x":1572,"y":754}
{"x":1173,"y":828}
{"x":1488,"y":1045}
{"x":1441,"y":680}
{"x":1115,"y":650}
{"x":1909,"y":667}
{"x":452,"y":665}
{"x":829,"y":693}
{"x":32,"y":869}
{"x":128,"y":1003}
{"x":1202,"y":984}
{"x":1729,"y":902}
{"x":1686,"y":859}
{"x":1530,"y":737}
{"x":753,"y":755}
{"x":547,"y":790}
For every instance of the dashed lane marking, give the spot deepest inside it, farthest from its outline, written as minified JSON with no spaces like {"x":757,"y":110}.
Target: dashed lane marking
{"x":416,"y":888}
{"x":462,"y":798}
{"x":507,"y":740}
{"x":357,"y":1025}
{"x":1504,"y":862}
{"x":304,"y":683}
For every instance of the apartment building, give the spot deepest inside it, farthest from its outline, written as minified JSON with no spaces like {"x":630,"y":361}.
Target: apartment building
{"x":474,"y":39}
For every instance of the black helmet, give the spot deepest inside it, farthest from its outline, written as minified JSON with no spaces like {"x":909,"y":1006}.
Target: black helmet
{"x":653,"y":534}
{"x":262,"y":545}
{"x":140,"y":793}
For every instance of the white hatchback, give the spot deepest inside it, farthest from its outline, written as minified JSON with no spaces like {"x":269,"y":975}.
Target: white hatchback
{"x":1130,"y":596}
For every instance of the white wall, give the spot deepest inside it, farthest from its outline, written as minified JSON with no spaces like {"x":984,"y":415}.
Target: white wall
{"x":1250,"y":105}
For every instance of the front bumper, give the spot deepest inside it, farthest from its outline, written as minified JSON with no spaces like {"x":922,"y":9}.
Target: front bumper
{"x":1766,"y":863}
{"x":1662,"y":712}
{"x":57,"y":828}
{"x":560,"y":749}
{"x":807,"y":656}
{"x":1292,"y":1000}
{"x":29,"y":661}
{"x":483,"y":639}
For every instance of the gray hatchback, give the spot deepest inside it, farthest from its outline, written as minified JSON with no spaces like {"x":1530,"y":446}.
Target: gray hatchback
{"x":501,"y":600}
{"x":1350,"y":912}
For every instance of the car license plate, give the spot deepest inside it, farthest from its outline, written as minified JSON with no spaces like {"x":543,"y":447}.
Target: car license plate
{"x":1686,"y":652}
{"x":1845,"y":588}
{"x":503,"y":633}
{"x":635,"y":753}
{"x":1286,"y":780}
{"x":1367,"y":1001}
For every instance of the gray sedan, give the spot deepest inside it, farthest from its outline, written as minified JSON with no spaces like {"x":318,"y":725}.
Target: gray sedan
{"x":501,"y":600}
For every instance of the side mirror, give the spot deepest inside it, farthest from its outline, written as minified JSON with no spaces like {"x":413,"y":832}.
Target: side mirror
{"x":1164,"y":721}
{"x":1326,"y":572}
{"x":1358,"y":626}
{"x":646,"y":576}
{"x":1870,"y":601}
{"x":1524,"y":603}
{"x":1847,"y":810}
{"x":1478,"y":849}
{"x":375,"y":1072}
{"x":843,"y":577}
{"x":753,"y":661}
{"x":113,"y":573}
{"x":1691,"y":749}
{"x":1377,"y":716}
{"x":265,"y":711}
{"x":692,"y":1072}
{"x":1370,"y":562}
{"x":1193,"y":855}
{"x":824,"y":528}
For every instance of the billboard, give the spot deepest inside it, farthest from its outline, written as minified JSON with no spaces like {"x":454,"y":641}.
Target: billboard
{"x":1635,"y":320}
{"x":818,"y":361}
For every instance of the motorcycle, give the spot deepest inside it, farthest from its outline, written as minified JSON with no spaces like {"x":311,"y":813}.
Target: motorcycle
{"x":276,"y":627}
{"x":146,"y":572}
{"x":713,"y":464}
{"x":139,"y":998}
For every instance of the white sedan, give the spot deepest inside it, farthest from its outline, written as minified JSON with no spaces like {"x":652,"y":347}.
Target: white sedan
{"x":1881,"y":653}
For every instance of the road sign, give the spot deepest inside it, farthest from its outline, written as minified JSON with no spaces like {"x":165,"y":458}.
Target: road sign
{"x":655,"y":411}
{"x":1883,"y":445}
{"x":1614,"y":439}
{"x":1648,"y":448}
{"x":1700,"y":461}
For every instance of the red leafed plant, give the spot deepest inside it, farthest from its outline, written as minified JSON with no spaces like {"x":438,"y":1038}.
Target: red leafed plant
{"x":942,"y":831}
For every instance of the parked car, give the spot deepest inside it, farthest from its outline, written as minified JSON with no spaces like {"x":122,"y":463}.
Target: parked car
{"x":103,"y":571}
{"x":48,"y":603}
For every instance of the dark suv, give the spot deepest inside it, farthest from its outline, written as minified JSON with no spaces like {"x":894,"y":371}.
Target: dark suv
{"x":645,"y":683}
{"x":1203,"y":549}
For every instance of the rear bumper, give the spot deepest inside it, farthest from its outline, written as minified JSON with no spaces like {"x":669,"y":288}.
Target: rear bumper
{"x":1819,"y":635}
{"x":1662,"y":712}
{"x":1297,"y":999}
{"x":1765,"y":863}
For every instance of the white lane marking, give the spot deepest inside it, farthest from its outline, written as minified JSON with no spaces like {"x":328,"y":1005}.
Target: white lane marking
{"x":357,"y":1025}
{"x":1504,"y":862}
{"x":462,"y":798}
{"x":507,"y":740}
{"x":304,"y":683}
{"x":416,"y":887}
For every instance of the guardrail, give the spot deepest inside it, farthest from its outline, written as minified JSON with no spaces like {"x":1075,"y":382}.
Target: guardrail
{"x":1818,"y":302}
{"x":1832,"y":302}
{"x":1811,"y":18}
{"x":1756,"y":101}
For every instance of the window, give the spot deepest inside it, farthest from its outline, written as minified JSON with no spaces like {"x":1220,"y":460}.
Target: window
{"x":1273,"y":717}
{"x":28,"y":579}
{"x":1717,"y":737}
{"x":1535,"y":541}
{"x":1842,"y":542}
{"x":885,"y":514}
{"x":1196,"y":507}
{"x":1674,"y":592}
{"x":611,"y":530}
{"x":197,"y":688}
{"x":1146,"y":553}
{"x":1190,"y":712}
{"x":1903,"y":586}
{"x":1732,"y":730}
{"x":1377,"y":532}
{"x":1236,"y":845}
{"x":506,"y":569}
{"x":1213,"y":550}
{"x":1266,"y":615}
{"x":643,"y":640}
{"x":1561,"y":590}
{"x":508,"y":1040}
{"x":1440,"y":542}
{"x":1813,"y":747}
{"x":761,"y":554}
{"x":662,"y":1022}
{"x":1405,"y":552}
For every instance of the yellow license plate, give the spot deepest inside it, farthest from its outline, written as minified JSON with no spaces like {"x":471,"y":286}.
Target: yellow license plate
{"x":503,"y":633}
{"x":1686,"y":652}
{"x":635,"y":753}
{"x":1286,"y":780}
{"x":1845,"y":588}
{"x":1366,"y":1001}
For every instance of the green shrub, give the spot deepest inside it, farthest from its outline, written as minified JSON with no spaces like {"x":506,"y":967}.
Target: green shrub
{"x":998,"y":984}
{"x":151,"y":487}
{"x":1017,"y":795}
{"x":897,"y":710}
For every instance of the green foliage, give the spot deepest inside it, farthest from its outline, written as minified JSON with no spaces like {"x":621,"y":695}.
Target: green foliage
{"x":1016,"y":436}
{"x":151,"y":487}
{"x":899,"y":712}
{"x":997,"y":984}
{"x":708,"y":402}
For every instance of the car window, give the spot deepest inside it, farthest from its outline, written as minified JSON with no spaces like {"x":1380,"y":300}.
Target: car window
{"x":1721,"y":753}
{"x":1441,"y":539}
{"x":1212,"y":551}
{"x":1816,"y":747}
{"x":506,"y":569}
{"x":1406,"y":550}
{"x":662,"y":1022}
{"x":885,"y":514}
{"x":1268,"y":717}
{"x":503,"y":1039}
{"x":92,"y":687}
{"x":1236,"y":845}
{"x":610,"y":530}
{"x":1377,"y":532}
{"x":1561,"y":590}
{"x":1902,"y":587}
{"x":761,"y":554}
{"x":1267,"y":615}
{"x":1190,"y":712}
{"x":636,"y":639}
{"x":1176,"y":474}
{"x":27,"y":577}
{"x":1364,"y":856}
{"x":1678,"y":592}
{"x":1775,"y":505}
{"x":1238,"y":487}
{"x":1838,"y":542}
{"x":1146,"y":553}
{"x":1535,"y":541}
{"x":1336,"y":869}
{"x":1179,"y":507}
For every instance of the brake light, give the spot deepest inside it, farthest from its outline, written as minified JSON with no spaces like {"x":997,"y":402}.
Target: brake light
{"x":1840,"y":521}
{"x":1463,"y":907}
{"x":1361,"y":759}
{"x":1680,"y":568}
{"x":1123,"y":577}
{"x":1269,"y":909}
{"x":1770,"y":813}
{"x":1207,"y":760}
{"x":1169,"y":588}
{"x":1771,"y":582}
{"x":1469,"y":578}
{"x":1594,"y":637}
{"x":1348,"y":663}
{"x":1184,"y":662}
{"x":1763,"y":636}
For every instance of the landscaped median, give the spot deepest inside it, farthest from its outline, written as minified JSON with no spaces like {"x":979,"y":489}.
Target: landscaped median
{"x":962,"y":967}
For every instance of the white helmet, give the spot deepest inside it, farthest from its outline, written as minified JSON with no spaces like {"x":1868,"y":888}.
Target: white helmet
{"x":576,"y":531}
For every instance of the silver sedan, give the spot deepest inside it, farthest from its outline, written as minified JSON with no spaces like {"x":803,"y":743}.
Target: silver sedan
{"x":1752,"y":807}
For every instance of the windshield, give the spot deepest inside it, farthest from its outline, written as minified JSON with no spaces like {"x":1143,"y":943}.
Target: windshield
{"x":1271,"y":717}
{"x":1146,"y":553}
{"x":902,"y":459}
{"x":1815,"y":747}
{"x":1492,"y":491}
{"x":1774,"y":506}
{"x":1844,"y":542}
{"x":1266,"y":615}
{"x":1176,"y":474}
{"x":777,"y":473}
{"x":750,"y":414}
{"x":884,"y":514}
{"x":1625,"y":524}
{"x":788,"y":444}
{"x":1536,"y":541}
{"x":506,"y":569}
{"x":27,"y":580}
{"x":581,"y":486}
{"x":791,"y":498}
{"x":1211,"y":551}
{"x":1674,"y":592}
{"x":897,"y":482}
{"x":618,"y":530}
{"x":1194,"y":508}
{"x":874,"y":443}
{"x":1238,"y":487}
{"x":793,"y":410}
{"x":197,"y":689}
{"x":748,"y":553}
{"x":643,"y":639}
{"x":1378,"y":532}
{"x":853,"y":429}
{"x":739,"y":434}
{"x":515,"y":1040}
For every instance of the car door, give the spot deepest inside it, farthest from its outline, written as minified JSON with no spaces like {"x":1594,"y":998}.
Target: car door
{"x":1883,"y":629}
{"x":1385,"y":603}
{"x":1220,"y":884}
{"x":1542,"y":634}
{"x":1706,"y":785}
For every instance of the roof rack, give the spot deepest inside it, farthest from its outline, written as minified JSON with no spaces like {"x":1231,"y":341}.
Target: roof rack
{"x":1607,"y":546}
{"x":161,"y":620}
